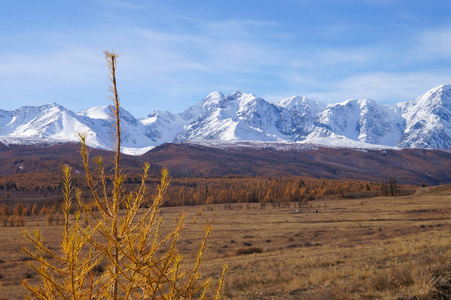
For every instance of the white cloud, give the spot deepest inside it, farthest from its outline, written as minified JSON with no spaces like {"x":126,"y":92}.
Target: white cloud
{"x":434,"y":43}
{"x":382,"y":87}
{"x":213,"y":48}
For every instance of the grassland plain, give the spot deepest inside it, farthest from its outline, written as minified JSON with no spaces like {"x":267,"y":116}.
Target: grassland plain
{"x":372,"y":248}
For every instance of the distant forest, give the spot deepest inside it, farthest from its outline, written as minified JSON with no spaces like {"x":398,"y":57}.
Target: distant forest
{"x":200,"y":190}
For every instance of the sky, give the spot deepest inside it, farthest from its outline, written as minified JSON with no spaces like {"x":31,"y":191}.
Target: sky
{"x":175,"y":52}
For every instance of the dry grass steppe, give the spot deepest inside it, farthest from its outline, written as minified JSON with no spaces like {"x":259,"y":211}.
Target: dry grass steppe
{"x":372,"y":248}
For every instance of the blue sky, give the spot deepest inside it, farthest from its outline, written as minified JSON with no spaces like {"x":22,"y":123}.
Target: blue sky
{"x":174,"y":53}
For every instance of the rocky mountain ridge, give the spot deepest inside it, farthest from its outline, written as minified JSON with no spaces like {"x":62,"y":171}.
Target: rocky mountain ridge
{"x":424,"y":122}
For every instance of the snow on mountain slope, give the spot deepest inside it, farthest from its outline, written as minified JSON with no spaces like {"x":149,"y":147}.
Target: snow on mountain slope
{"x":5,"y":118}
{"x":336,"y":141}
{"x":134,"y":133}
{"x":428,"y":120}
{"x":361,"y":120}
{"x":55,"y":123}
{"x":298,"y":116}
{"x":48,"y":121}
{"x":237,"y":117}
{"x":424,"y":122}
{"x":379,"y":124}
{"x":163,"y":126}
{"x":97,"y":112}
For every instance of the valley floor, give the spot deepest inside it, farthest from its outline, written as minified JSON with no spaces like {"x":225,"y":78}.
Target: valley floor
{"x":372,"y":248}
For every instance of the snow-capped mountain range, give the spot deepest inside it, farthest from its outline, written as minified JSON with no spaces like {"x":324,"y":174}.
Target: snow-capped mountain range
{"x":424,"y":122}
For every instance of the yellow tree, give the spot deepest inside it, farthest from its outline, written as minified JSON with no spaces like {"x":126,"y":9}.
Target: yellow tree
{"x":140,"y":262}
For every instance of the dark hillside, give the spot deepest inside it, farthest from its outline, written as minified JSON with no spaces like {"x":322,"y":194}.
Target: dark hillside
{"x":408,"y":166}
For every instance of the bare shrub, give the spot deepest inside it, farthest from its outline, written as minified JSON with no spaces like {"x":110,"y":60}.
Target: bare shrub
{"x":19,"y":209}
{"x":50,"y":218}
{"x":35,"y":209}
{"x":20,"y":221}
{"x":98,"y":269}
{"x":11,"y":221}
{"x":5,"y":210}
{"x":244,"y":251}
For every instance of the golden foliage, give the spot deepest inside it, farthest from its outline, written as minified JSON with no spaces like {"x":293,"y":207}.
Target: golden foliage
{"x":141,"y":263}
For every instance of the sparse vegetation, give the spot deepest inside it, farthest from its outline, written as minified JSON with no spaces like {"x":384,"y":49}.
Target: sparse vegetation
{"x":342,"y":252}
{"x":251,"y":250}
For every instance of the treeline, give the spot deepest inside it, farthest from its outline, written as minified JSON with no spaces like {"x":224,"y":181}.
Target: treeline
{"x":281,"y":192}
{"x":217,"y":190}
{"x":11,"y":217}
{"x":41,"y":182}
{"x":284,"y":190}
{"x":390,"y":187}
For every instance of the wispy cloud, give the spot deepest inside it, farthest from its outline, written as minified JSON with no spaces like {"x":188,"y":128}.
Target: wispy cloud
{"x":168,"y":54}
{"x":434,"y":43}
{"x":217,"y":48}
{"x":382,"y":87}
{"x":137,"y":4}
{"x":29,"y":77}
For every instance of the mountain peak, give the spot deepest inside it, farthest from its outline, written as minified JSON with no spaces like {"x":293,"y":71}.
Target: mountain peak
{"x":423,"y":122}
{"x":214,"y":95}
{"x":358,"y":102}
{"x":444,"y":87}
{"x":237,"y":94}
{"x":435,"y":97}
{"x":438,"y":89}
{"x":299,"y":103}
{"x":97,"y":112}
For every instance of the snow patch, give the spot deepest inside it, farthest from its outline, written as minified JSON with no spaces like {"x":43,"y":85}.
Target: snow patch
{"x":136,"y":151}
{"x":97,"y":112}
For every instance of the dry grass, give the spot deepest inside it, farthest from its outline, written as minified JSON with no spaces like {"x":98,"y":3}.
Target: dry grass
{"x":378,"y":248}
